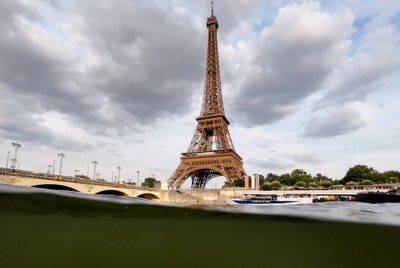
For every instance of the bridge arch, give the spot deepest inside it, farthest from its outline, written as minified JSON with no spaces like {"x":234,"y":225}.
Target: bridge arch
{"x":55,"y":187}
{"x":149,"y":196}
{"x":112,"y":192}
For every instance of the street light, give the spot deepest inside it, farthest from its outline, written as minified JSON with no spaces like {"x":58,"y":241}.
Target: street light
{"x":119,"y":174}
{"x":61,"y":155}
{"x":8,"y":156}
{"x":54,"y":166}
{"x":76,"y":172}
{"x":138,"y":172}
{"x":48,"y":168}
{"x":14,"y":161}
{"x":94,"y":171}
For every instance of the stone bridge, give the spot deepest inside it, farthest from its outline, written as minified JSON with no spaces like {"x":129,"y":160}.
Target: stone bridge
{"x":51,"y":181}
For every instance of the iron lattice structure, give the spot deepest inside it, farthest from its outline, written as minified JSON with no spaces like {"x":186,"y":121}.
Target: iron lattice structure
{"x":211,"y":152}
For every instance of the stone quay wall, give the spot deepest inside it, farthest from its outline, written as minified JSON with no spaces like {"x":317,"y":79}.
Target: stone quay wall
{"x":201,"y":196}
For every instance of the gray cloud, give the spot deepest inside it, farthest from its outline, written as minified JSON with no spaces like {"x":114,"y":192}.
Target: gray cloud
{"x":32,"y":81}
{"x":283,"y":161}
{"x":377,"y":58}
{"x":271,"y":163}
{"x":334,"y":124}
{"x":148,"y":64}
{"x":290,"y":62}
{"x":151,"y":61}
{"x":305,"y":158}
{"x":19,"y":122}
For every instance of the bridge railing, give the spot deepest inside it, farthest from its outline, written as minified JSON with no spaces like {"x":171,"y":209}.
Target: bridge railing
{"x":53,"y":177}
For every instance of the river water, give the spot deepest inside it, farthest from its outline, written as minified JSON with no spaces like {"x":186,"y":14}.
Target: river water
{"x":45,"y":228}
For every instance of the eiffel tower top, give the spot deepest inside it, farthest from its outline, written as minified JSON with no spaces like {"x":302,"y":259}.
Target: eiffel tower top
{"x":212,"y":99}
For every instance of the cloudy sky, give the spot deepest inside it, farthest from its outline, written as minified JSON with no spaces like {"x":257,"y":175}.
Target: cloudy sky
{"x":306,"y":84}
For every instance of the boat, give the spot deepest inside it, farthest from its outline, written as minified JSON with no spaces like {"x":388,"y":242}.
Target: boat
{"x":261,"y":198}
{"x":392,"y":196}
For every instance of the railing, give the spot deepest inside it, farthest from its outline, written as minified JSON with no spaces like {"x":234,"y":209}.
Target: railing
{"x":53,"y":177}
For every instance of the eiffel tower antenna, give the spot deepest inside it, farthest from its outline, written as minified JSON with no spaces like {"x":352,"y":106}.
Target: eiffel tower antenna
{"x":211,"y":152}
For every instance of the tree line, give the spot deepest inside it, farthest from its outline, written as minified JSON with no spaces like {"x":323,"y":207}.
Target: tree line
{"x":298,"y":178}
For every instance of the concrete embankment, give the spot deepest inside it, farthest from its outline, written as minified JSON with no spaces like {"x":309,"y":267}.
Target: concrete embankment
{"x":204,"y":196}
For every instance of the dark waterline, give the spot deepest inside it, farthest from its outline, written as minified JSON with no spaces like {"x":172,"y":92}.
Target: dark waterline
{"x":44,"y":229}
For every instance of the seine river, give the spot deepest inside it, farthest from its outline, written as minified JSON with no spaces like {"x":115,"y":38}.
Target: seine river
{"x":44,"y":228}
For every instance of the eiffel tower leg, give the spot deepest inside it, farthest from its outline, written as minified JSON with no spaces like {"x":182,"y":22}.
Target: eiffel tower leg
{"x":200,"y":179}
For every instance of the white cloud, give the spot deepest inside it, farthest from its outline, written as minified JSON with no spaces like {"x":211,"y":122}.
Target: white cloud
{"x":291,"y":60}
{"x":335,"y":123}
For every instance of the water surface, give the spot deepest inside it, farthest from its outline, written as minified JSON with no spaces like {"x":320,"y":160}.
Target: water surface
{"x":44,"y":228}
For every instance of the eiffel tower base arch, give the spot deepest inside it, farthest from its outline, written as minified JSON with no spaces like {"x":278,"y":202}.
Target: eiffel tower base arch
{"x":201,"y":169}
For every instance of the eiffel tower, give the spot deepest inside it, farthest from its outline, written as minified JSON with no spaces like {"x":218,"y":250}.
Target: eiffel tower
{"x":211,"y":152}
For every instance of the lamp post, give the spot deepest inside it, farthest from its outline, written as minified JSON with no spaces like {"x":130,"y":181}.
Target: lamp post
{"x":54,"y":166}
{"x":14,"y":160}
{"x":112,"y":176}
{"x":98,"y":176}
{"x":8,"y":156}
{"x":76,"y":172}
{"x":48,"y":168}
{"x":94,"y":162}
{"x":138,"y":172}
{"x":61,"y":155}
{"x":119,"y":174}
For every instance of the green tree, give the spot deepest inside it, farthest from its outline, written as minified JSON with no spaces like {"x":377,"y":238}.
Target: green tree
{"x":391,"y":174}
{"x":275,"y":185}
{"x":301,"y":184}
{"x":380,"y":178}
{"x":366,"y":182}
{"x":359,"y":173}
{"x":326,"y":183}
{"x":286,"y":179}
{"x":228,"y":184}
{"x":151,"y":182}
{"x":238,"y":183}
{"x":83,"y":177}
{"x":271,"y":177}
{"x":235,"y":183}
{"x":313,"y":184}
{"x":266,"y":187}
{"x":321,"y":178}
{"x":300,"y":175}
